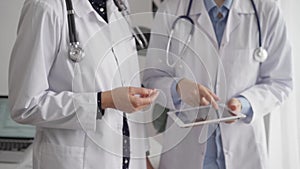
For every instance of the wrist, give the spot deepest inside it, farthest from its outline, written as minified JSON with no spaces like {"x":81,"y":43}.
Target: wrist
{"x":178,"y":87}
{"x":106,"y":100}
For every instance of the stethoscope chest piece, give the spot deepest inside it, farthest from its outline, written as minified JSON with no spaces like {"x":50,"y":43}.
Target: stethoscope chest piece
{"x":260,"y":54}
{"x":76,"y":53}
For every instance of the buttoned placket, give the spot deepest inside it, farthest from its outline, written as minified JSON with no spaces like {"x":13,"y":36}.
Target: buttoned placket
{"x":126,"y":143}
{"x":100,"y":7}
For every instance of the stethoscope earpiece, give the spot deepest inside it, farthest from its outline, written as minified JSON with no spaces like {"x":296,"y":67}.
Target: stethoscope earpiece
{"x":260,"y":54}
{"x":76,"y":53}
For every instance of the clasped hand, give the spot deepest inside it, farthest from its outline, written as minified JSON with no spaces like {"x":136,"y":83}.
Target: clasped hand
{"x":128,"y":99}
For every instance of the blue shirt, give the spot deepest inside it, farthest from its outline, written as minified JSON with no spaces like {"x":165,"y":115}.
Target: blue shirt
{"x":214,"y":157}
{"x":218,"y":16}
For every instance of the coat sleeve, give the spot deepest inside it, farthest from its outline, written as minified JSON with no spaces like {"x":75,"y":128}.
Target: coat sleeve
{"x":157,"y":74}
{"x":275,"y":79}
{"x":31,"y":99}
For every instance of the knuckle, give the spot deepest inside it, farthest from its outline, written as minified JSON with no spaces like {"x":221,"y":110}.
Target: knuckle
{"x":134,"y":102}
{"x":137,"y":103}
{"x":130,"y":89}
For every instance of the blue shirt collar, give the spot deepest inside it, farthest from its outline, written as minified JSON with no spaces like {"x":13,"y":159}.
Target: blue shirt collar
{"x":209,"y":4}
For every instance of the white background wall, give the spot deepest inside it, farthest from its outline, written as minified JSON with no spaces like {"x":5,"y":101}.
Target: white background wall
{"x":142,"y":9}
{"x":9,"y":15}
{"x":285,"y":151}
{"x":290,"y":9}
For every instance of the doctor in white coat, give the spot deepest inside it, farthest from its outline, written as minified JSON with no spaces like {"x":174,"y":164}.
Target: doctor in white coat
{"x":63,"y":98}
{"x":223,"y":69}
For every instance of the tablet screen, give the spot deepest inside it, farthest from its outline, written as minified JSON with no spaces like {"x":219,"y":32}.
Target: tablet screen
{"x":203,"y":115}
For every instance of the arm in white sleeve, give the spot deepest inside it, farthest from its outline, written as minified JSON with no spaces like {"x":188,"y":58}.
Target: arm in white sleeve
{"x":275,"y":80}
{"x":31,"y":99}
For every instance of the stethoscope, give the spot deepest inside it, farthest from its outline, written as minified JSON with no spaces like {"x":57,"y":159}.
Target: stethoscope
{"x":76,"y":52}
{"x":260,"y":54}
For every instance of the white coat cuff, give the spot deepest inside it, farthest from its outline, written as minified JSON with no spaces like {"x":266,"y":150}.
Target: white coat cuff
{"x":253,"y":102}
{"x":86,"y":110}
{"x":246,"y":109}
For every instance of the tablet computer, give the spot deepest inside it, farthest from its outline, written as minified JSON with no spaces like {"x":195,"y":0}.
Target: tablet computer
{"x":202,"y":115}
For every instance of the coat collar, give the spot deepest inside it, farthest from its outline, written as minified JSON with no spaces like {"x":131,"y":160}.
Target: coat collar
{"x":209,"y":4}
{"x":238,"y":8}
{"x":83,"y":8}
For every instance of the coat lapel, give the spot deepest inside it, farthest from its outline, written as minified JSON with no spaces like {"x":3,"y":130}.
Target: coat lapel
{"x":205,"y":23}
{"x":239,"y":8}
{"x":233,"y":22}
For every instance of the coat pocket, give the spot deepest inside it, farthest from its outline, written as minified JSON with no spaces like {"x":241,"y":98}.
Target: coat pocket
{"x":61,"y":157}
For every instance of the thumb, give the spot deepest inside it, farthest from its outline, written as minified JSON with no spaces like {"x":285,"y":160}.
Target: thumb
{"x":233,"y":104}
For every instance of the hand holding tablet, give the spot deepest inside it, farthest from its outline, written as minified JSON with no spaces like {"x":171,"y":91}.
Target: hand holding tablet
{"x":195,"y":116}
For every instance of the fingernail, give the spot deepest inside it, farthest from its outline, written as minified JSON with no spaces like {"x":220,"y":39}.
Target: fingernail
{"x":232,"y":107}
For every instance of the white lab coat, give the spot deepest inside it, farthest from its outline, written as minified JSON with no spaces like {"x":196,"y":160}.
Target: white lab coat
{"x":59,"y":97}
{"x":264,"y":85}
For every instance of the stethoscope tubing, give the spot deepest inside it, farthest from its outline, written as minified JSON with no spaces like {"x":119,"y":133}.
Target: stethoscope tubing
{"x":73,"y":38}
{"x":260,"y":51}
{"x":258,"y":23}
{"x":71,"y":22}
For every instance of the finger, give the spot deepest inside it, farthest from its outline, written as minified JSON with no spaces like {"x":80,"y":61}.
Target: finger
{"x":214,"y":103}
{"x":234,"y":104}
{"x":141,"y":107}
{"x":214,"y":96}
{"x":144,"y":101}
{"x":143,"y":92}
{"x":152,"y":92}
{"x":230,"y":122}
{"x":139,"y":101}
{"x":211,"y":99}
{"x":153,"y":95}
{"x":209,"y":92}
{"x":204,"y":102}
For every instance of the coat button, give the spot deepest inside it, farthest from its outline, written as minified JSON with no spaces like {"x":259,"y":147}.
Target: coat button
{"x":119,"y":126}
{"x":220,"y":15}
{"x":227,"y":153}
